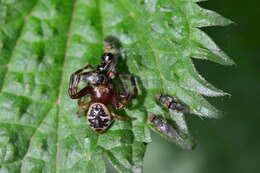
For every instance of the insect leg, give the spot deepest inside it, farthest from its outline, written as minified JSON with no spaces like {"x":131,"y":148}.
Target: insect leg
{"x":74,"y":81}
{"x":83,"y":106}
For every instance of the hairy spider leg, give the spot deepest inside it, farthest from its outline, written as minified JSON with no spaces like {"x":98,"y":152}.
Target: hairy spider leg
{"x":127,"y":93}
{"x":117,"y":104}
{"x":83,"y":106}
{"x":82,"y":92}
{"x":74,"y":82}
{"x":126,"y":96}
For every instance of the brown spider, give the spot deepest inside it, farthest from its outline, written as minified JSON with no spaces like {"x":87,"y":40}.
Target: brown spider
{"x":103,"y":96}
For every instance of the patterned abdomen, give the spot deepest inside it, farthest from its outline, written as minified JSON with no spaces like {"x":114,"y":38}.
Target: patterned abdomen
{"x":99,"y":117}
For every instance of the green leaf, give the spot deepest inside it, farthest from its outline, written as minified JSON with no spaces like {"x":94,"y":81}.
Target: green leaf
{"x":43,"y":41}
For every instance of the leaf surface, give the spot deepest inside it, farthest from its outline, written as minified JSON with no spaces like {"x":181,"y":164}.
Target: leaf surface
{"x":43,"y":42}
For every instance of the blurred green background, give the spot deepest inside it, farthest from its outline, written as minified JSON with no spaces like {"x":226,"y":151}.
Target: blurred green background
{"x":230,"y":144}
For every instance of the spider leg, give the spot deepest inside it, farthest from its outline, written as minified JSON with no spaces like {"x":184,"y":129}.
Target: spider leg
{"x":117,"y":104}
{"x":121,"y":118}
{"x":133,"y":84}
{"x":74,"y":82}
{"x":74,"y":94}
{"x":83,"y":107}
{"x":126,"y":95}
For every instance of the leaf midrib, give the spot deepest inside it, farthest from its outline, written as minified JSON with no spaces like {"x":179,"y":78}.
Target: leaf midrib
{"x":58,"y":101}
{"x":68,"y":42}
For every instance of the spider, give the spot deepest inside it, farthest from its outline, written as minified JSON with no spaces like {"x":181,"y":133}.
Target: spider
{"x":103,"y":97}
{"x":102,"y":101}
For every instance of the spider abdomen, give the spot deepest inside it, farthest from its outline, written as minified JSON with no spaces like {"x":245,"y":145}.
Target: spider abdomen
{"x":99,"y":117}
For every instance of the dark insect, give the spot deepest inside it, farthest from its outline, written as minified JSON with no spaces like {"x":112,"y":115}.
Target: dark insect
{"x":163,"y":126}
{"x":108,"y":65}
{"x":172,"y":103}
{"x":103,"y":98}
{"x":96,"y":76}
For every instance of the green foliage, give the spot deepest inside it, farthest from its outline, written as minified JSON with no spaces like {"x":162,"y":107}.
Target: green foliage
{"x":43,"y":41}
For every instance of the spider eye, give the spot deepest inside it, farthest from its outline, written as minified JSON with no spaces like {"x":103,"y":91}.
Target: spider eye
{"x":106,"y":57}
